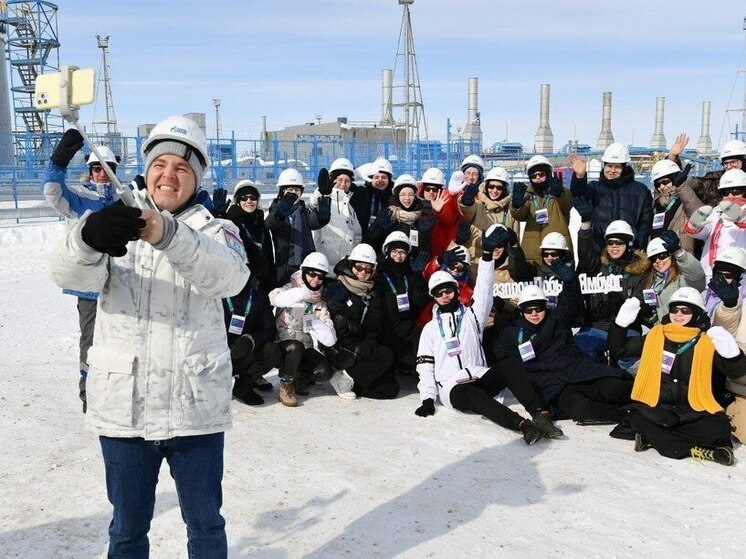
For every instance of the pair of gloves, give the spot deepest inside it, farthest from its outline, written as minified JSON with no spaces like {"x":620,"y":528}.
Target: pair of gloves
{"x":730,"y":210}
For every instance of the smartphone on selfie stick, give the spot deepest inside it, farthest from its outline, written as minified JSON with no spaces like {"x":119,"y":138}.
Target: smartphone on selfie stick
{"x":67,"y":90}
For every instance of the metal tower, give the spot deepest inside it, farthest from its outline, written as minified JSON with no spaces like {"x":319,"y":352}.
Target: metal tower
{"x":105,"y":80}
{"x":405,"y":63}
{"x":32,"y":49}
{"x":740,"y":133}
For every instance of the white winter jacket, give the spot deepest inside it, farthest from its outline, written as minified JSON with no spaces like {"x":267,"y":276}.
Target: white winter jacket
{"x":337,"y":238}
{"x":438,"y":371}
{"x":159,"y":365}
{"x":728,"y":234}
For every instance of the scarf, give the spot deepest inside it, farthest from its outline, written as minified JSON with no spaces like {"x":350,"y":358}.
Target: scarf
{"x":355,"y":286}
{"x":647,"y":387}
{"x":403,"y":216}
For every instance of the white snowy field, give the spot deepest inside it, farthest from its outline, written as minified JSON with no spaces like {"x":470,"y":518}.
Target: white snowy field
{"x":334,"y":478}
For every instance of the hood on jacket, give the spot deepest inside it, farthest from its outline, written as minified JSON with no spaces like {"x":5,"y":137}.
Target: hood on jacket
{"x":638,"y":263}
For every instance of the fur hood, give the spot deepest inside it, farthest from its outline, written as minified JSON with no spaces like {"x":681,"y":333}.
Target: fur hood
{"x":638,"y":266}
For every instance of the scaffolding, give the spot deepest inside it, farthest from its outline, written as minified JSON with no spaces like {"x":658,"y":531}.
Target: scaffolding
{"x":32,"y":49}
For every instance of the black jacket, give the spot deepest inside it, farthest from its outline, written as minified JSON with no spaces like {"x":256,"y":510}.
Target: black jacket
{"x":255,"y":236}
{"x":260,"y":321}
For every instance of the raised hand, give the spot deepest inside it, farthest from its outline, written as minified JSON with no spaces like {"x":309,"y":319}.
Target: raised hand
{"x":519,"y":195}
{"x":578,"y":165}
{"x":69,"y":145}
{"x":678,"y":145}
{"x":440,"y":200}
{"x":324,"y":182}
{"x":285,"y":205}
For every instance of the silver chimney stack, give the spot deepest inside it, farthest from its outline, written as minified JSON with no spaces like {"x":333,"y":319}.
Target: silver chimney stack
{"x":658,"y":141}
{"x":387,"y":97}
{"x":606,"y":137}
{"x":544,"y":139}
{"x":472,"y":129}
{"x":704,"y":144}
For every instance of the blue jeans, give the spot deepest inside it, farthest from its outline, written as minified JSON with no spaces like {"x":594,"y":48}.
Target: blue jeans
{"x":594,"y":343}
{"x":132,"y":466}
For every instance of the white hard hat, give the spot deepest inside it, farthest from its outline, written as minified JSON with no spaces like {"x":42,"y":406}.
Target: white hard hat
{"x":290,"y":177}
{"x":497,"y":174}
{"x":363,"y":253}
{"x":180,"y":129}
{"x":440,"y":279}
{"x":732,"y":178}
{"x":405,"y":180}
{"x":554,"y":241}
{"x":472,"y":160}
{"x":732,"y":255}
{"x":619,"y":227}
{"x":616,"y":153}
{"x":687,"y":295}
{"x":733,"y":148}
{"x":433,"y":176}
{"x":396,"y":237}
{"x":664,"y":168}
{"x":531,"y":294}
{"x":245,"y":183}
{"x":381,"y":165}
{"x":106,"y":153}
{"x":655,"y":247}
{"x":537,"y":160}
{"x":315,"y":261}
{"x":342,"y":165}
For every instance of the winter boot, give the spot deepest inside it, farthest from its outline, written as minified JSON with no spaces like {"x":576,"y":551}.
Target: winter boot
{"x":544,"y":422}
{"x":531,"y":433}
{"x":246,"y":395}
{"x":720,"y":454}
{"x":263,"y":385}
{"x":287,"y":394}
{"x":82,"y":394}
{"x":342,"y":384}
{"x":300,"y":384}
{"x":641,"y":443}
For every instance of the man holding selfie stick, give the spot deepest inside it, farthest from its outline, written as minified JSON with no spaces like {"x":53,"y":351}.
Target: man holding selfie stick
{"x":159,"y":381}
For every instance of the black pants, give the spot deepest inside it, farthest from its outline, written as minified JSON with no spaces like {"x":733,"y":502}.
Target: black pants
{"x":678,"y":440}
{"x":258,"y":363}
{"x":87,"y":321}
{"x":373,"y":373}
{"x":479,"y":396}
{"x":596,"y":400}
{"x":296,"y":358}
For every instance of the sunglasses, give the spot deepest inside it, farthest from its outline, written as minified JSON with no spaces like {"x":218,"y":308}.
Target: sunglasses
{"x":550,"y":254}
{"x":538,"y":174}
{"x":615,"y":243}
{"x":431,"y":188}
{"x":315,"y":275}
{"x":661,"y":256}
{"x":686,"y":311}
{"x":457,"y":267}
{"x":495,"y":186}
{"x":531,"y":310}
{"x":736,"y":191}
{"x":246,"y":197}
{"x":663,"y":182}
{"x":444,"y":291}
{"x":367,"y":268}
{"x":727,"y":276}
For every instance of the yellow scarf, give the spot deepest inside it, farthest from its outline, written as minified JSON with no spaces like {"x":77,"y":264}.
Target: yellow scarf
{"x":647,"y":387}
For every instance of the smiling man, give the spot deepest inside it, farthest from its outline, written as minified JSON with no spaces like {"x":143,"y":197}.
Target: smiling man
{"x":159,"y":382}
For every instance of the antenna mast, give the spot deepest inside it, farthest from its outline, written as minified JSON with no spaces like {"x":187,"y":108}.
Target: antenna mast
{"x":414,"y":109}
{"x":111,"y":119}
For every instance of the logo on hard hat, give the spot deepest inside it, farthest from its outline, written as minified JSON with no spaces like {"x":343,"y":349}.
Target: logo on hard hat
{"x":179,"y":130}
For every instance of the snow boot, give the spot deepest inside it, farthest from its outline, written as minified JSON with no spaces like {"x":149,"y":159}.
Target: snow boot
{"x":641,"y":443}
{"x":342,"y":384}
{"x":287,"y":394}
{"x":263,"y":385}
{"x":720,"y":454}
{"x":300,"y":384}
{"x":545,"y":423}
{"x":246,"y":395}
{"x":531,"y":433}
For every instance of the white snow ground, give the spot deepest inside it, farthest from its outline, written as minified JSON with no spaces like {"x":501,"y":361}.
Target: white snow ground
{"x":334,"y":478}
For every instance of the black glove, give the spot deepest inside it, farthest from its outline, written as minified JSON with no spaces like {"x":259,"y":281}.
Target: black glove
{"x":470,"y":193}
{"x":385,"y":219}
{"x":285,"y":205}
{"x":728,"y":292}
{"x":428,"y":220}
{"x":670,"y":241}
{"x":512,"y":238}
{"x":463,"y":233}
{"x":564,"y":272}
{"x":69,"y":145}
{"x":220,"y":202}
{"x":453,"y":256}
{"x":519,"y":194}
{"x":681,"y":176}
{"x":493,"y":240}
{"x":427,"y":408}
{"x":324,"y":182}
{"x":556,"y":188}
{"x":111,"y":228}
{"x":583,"y":207}
{"x":420,"y":261}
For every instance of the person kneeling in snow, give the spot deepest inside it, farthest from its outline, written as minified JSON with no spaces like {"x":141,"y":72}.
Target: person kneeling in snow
{"x":451,"y":363}
{"x":674,"y":409}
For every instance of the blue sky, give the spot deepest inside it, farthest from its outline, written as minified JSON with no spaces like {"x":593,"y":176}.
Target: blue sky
{"x":295,"y":59}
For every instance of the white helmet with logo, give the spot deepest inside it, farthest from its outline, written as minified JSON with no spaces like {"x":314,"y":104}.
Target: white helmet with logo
{"x":180,"y":129}
{"x":433,"y":176}
{"x":655,"y":247}
{"x":315,"y":261}
{"x":554,"y":241}
{"x":616,"y":153}
{"x":245,"y":183}
{"x":472,"y":160}
{"x":342,"y":165}
{"x":396,"y":237}
{"x":363,"y":253}
{"x":290,"y":177}
{"x":733,"y":148}
{"x":381,"y":165}
{"x":664,"y":168}
{"x":732,"y":178}
{"x":441,"y":278}
{"x":531,"y":294}
{"x":497,"y":174}
{"x":402,"y":181}
{"x":732,"y":255}
{"x":106,"y":153}
{"x":687,"y":295}
{"x":537,"y":160}
{"x":619,"y":228}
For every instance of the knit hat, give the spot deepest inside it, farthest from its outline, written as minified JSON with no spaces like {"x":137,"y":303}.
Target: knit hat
{"x":172,"y":147}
